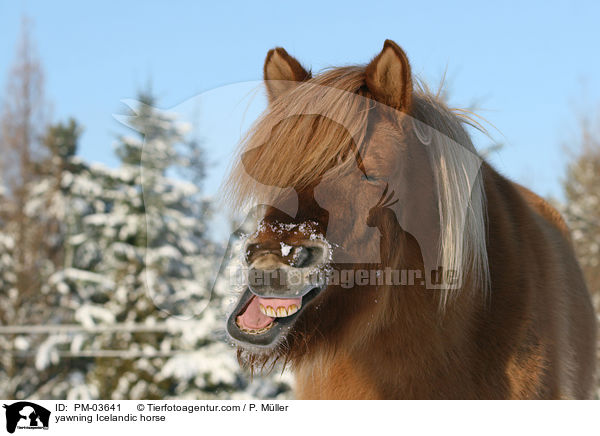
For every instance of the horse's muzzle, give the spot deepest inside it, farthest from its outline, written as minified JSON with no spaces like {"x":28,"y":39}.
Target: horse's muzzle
{"x":283,"y":277}
{"x":287,"y":271}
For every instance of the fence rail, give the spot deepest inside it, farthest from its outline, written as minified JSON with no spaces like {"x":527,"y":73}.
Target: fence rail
{"x":108,"y":328}
{"x":119,"y":354}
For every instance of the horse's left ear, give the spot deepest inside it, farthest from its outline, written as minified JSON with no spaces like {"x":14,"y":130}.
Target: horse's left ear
{"x":388,"y":77}
{"x":281,"y":71}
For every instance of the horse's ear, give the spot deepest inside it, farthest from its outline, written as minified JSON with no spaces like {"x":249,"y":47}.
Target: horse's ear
{"x":388,"y":77}
{"x":281,"y":71}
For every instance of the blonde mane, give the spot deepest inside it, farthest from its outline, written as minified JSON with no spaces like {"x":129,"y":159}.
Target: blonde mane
{"x":317,"y":142}
{"x":461,"y":196}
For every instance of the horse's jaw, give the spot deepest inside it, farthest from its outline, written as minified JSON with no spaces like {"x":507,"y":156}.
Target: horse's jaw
{"x":265,"y":332}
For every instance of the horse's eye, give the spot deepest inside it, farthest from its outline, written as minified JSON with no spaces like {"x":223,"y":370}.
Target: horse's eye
{"x":371,"y":178}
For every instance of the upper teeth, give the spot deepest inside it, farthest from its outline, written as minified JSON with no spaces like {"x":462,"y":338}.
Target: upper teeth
{"x":280,"y":312}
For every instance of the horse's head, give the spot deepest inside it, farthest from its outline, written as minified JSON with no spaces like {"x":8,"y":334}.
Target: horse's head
{"x":344,"y":162}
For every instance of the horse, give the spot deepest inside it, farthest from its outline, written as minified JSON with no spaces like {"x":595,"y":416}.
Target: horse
{"x":370,"y":191}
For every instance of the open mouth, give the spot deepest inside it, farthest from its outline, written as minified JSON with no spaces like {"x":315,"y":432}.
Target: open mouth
{"x":263,"y":321}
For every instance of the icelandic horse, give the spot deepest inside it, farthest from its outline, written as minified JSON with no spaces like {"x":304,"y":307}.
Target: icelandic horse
{"x":361,"y":168}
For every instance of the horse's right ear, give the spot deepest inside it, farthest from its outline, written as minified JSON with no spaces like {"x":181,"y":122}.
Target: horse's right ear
{"x":388,"y":77}
{"x":281,"y":71}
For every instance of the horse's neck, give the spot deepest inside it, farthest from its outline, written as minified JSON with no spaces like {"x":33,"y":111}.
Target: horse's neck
{"x":392,"y":351}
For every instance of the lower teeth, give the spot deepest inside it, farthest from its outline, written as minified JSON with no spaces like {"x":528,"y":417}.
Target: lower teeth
{"x":254,"y":331}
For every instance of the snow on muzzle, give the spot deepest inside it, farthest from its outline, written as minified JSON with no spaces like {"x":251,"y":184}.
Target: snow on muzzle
{"x":282,"y":279}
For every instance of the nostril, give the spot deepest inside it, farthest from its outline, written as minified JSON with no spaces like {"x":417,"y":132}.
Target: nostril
{"x":301,"y":257}
{"x":304,"y":256}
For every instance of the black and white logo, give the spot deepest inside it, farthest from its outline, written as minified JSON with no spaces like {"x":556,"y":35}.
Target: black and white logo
{"x":26,"y":415}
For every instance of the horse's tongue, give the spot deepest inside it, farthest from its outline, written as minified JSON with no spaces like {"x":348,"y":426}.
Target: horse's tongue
{"x":253,"y":318}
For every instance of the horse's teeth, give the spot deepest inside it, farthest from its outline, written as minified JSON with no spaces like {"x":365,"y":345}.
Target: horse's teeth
{"x":292,"y":309}
{"x":255,"y":331}
{"x":280,"y":312}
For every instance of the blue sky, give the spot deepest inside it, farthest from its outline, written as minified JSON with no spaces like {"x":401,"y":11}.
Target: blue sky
{"x":532,"y":66}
